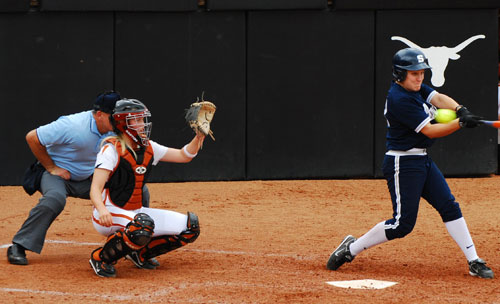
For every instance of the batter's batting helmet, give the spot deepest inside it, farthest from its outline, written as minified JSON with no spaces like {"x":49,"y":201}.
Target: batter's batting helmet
{"x":132,"y":118}
{"x":409,"y":59}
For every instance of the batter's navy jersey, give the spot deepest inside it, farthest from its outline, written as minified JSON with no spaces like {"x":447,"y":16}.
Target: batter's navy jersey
{"x":406,"y":114}
{"x":409,"y":171}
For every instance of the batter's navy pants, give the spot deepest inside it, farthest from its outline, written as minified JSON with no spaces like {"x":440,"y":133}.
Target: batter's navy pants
{"x":410,"y":177}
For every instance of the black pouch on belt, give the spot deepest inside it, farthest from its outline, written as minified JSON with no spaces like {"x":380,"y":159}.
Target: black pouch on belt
{"x":32,"y":177}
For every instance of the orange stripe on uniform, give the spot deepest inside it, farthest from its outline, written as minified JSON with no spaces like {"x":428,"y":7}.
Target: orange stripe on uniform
{"x":122,"y":215}
{"x":99,"y":223}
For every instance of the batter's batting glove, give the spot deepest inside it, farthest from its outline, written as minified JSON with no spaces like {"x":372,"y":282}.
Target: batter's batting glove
{"x":462,"y":111}
{"x":470,"y":121}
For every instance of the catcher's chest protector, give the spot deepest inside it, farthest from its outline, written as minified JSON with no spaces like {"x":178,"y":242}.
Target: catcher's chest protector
{"x":127,"y":180}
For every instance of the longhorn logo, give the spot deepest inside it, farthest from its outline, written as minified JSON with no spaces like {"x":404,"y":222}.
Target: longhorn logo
{"x":439,"y":56}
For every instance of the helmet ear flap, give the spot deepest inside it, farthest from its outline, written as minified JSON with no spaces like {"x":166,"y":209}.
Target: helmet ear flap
{"x":117,"y":124}
{"x":398,"y":74}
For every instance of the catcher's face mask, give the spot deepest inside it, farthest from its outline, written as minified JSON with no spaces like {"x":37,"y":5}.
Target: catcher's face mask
{"x":137,"y":126}
{"x":141,"y":124}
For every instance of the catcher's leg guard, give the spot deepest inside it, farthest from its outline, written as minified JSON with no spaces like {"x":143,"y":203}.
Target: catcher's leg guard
{"x":134,"y":237}
{"x":165,"y":243}
{"x":113,"y":249}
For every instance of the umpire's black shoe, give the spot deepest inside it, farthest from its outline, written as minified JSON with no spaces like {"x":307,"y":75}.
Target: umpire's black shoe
{"x":478,"y":268}
{"x":16,"y":255}
{"x":342,"y":254}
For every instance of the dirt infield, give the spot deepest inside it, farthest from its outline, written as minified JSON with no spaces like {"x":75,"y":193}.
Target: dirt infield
{"x":263,"y":242}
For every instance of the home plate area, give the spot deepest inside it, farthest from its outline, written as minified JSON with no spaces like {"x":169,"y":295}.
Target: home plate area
{"x":362,"y":284}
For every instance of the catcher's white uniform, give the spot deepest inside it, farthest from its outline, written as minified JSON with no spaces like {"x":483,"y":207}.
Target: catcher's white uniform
{"x":166,"y":222}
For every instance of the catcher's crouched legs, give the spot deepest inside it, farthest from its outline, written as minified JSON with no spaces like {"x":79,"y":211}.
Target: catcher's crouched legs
{"x":135,"y":236}
{"x":165,"y":243}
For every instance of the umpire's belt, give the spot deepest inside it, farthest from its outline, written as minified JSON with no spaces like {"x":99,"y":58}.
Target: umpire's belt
{"x":414,"y":151}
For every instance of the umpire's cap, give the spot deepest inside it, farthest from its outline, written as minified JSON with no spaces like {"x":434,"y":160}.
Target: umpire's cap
{"x":105,"y":102}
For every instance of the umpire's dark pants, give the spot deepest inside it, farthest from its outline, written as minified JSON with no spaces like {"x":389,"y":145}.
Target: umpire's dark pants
{"x":54,"y":192}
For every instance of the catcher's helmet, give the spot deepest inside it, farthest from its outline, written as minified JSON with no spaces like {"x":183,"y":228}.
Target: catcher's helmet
{"x":132,"y":118}
{"x":409,"y":59}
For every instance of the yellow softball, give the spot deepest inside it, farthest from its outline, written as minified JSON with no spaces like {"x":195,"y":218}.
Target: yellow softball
{"x":445,"y":115}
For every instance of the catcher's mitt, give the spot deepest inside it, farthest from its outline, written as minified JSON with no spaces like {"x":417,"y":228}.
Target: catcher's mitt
{"x":199,"y":115}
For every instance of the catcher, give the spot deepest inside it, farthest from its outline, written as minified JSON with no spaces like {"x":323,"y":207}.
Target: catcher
{"x":122,"y":167}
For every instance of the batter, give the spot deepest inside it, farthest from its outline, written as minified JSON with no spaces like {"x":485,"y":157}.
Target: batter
{"x":409,"y":171}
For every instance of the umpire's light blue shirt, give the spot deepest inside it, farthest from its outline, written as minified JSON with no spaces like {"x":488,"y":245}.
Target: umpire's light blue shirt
{"x":72,"y":142}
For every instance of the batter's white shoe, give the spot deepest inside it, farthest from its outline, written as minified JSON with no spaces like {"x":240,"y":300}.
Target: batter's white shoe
{"x":342,"y":254}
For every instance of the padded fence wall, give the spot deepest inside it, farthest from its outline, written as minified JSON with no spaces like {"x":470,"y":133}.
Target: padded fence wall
{"x":14,"y":5}
{"x":300,"y":93}
{"x":50,"y":65}
{"x":414,"y":4}
{"x":169,"y":60}
{"x":120,"y":5}
{"x":266,"y":4}
{"x":309,"y":110}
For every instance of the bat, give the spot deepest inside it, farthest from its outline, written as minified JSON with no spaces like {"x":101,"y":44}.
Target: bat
{"x":492,"y":123}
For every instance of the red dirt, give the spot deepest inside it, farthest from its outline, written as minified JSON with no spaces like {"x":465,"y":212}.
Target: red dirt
{"x":263,"y":242}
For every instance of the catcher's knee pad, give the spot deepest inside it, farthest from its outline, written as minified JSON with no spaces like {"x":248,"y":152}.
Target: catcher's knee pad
{"x":165,"y":243}
{"x":139,"y":231}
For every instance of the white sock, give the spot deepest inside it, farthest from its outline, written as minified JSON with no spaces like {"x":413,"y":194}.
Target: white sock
{"x":375,"y":236}
{"x":460,"y":233}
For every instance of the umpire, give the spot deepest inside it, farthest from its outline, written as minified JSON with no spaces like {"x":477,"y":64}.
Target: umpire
{"x":67,"y":149}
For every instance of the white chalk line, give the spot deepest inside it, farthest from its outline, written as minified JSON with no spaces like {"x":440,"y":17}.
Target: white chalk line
{"x":280,"y":255}
{"x":158,"y":294}
{"x":60,"y":293}
{"x":226,"y":252}
{"x":166,"y":290}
